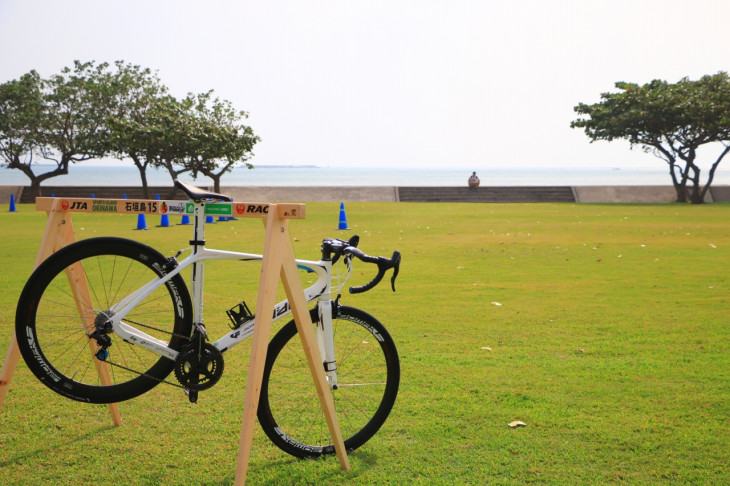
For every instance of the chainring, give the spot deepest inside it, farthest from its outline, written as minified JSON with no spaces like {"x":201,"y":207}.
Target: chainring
{"x":199,"y":367}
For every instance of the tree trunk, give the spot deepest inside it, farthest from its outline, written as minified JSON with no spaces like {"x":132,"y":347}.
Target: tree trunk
{"x":216,"y":182}
{"x":681,"y":190}
{"x":680,"y":183}
{"x":35,"y":187}
{"x":696,"y":197}
{"x":696,"y":194}
{"x":711,"y":175}
{"x":36,"y":180}
{"x":142,"y":167}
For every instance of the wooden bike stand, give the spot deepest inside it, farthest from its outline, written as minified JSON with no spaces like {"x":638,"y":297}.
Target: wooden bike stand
{"x":59,"y":233}
{"x":278,"y":263}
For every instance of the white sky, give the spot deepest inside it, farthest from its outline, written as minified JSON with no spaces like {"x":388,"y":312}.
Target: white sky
{"x":430,"y":83}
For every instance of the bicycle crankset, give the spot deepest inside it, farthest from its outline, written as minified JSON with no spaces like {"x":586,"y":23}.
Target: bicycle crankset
{"x":199,"y":366}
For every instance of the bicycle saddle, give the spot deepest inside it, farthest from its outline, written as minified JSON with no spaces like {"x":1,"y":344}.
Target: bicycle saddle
{"x":197,"y":194}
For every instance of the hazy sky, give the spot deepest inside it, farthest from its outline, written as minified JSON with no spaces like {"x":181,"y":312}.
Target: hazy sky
{"x":468,"y":83}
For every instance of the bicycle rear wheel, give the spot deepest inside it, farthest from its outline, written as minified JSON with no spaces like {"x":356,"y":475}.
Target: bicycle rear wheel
{"x":368,"y":374}
{"x":56,"y":316}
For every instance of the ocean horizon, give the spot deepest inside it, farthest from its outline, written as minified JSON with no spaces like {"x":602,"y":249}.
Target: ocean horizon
{"x":264,"y":176}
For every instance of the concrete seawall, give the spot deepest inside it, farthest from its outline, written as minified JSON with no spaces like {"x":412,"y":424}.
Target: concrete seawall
{"x":579,"y":194}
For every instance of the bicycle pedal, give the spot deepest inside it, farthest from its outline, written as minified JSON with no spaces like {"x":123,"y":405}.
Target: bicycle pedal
{"x":192,"y":395}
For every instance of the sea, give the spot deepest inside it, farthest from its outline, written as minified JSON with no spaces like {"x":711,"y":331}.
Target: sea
{"x":264,"y":175}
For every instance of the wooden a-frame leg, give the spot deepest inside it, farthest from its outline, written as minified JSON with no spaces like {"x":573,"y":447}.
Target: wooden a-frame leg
{"x":80,"y":290}
{"x":9,"y":365}
{"x":303,"y":321}
{"x":270,"y":265}
{"x":58,"y":233}
{"x":278,"y":261}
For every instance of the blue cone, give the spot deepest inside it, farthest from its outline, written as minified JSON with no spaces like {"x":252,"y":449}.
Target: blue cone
{"x":209,"y":219}
{"x":343,"y":218}
{"x":12,"y":203}
{"x":185,"y":220}
{"x":141,"y":222}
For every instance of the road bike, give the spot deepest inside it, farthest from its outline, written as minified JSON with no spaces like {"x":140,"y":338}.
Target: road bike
{"x":130,"y":305}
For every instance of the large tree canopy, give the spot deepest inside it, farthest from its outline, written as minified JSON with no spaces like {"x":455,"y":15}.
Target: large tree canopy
{"x":219,"y":139}
{"x":21,"y":109}
{"x":670,"y":120}
{"x":122,"y":110}
{"x":133,"y":129}
{"x":61,"y":120}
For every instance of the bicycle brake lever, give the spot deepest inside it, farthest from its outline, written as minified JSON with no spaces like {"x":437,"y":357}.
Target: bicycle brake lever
{"x":396,"y":267}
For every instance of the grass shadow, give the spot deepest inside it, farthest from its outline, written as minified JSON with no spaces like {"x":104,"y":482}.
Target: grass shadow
{"x":287,"y":471}
{"x":54,"y":446}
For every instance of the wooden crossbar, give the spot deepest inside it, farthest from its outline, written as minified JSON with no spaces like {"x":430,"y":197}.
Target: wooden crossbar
{"x":172,"y":207}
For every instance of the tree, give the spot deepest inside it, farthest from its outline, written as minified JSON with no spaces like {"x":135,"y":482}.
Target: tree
{"x":61,"y":119}
{"x":219,"y":141}
{"x":21,"y":109}
{"x":143,"y":124}
{"x":90,"y":111}
{"x":199,"y":134}
{"x":670,"y":120}
{"x":168,"y":136}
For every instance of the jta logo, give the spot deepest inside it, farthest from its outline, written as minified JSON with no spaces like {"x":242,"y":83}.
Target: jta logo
{"x":78,"y":205}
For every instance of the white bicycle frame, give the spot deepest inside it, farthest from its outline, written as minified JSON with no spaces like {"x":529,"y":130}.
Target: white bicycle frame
{"x":320,"y":290}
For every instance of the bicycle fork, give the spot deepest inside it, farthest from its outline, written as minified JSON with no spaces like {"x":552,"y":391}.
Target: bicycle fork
{"x":326,"y":340}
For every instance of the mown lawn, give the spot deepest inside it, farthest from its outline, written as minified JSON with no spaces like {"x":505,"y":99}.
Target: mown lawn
{"x":604,"y":328}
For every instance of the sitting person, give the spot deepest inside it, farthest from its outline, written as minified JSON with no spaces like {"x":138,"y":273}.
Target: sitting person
{"x":473,"y":181}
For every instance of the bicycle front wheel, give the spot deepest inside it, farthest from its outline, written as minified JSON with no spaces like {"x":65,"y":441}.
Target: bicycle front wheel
{"x":368,"y":374}
{"x":72,"y":294}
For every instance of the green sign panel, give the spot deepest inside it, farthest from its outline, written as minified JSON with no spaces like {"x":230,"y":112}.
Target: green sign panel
{"x":218,"y":208}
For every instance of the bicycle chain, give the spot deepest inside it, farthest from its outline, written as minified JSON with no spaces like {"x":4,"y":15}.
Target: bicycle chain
{"x":158,"y":380}
{"x":189,"y":339}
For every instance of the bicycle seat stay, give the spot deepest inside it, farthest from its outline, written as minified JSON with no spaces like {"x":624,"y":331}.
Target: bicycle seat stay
{"x":197,"y":194}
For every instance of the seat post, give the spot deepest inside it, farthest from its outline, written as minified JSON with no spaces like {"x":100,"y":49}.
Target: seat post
{"x":198,"y":244}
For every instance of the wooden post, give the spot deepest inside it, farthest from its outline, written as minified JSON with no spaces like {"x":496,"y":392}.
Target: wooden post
{"x":59,"y":232}
{"x":9,"y":365}
{"x":278,"y":262}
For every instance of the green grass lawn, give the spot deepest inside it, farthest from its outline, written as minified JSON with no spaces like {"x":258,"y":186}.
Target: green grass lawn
{"x":604,"y":328}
